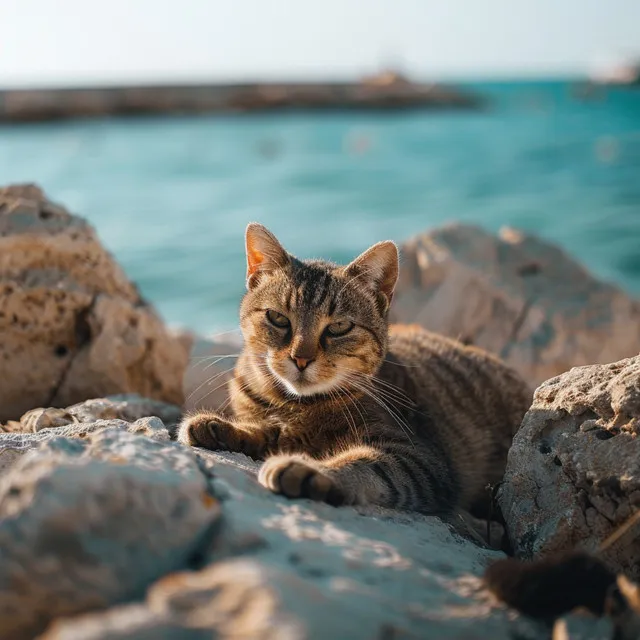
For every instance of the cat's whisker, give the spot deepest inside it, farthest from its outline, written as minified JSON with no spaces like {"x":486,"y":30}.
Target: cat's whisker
{"x":216,"y":355}
{"x":389,"y":390}
{"x":219,"y":359}
{"x":210,"y":380}
{"x":251,"y":377}
{"x":350,"y":421}
{"x":223,"y":333}
{"x":391,"y":411}
{"x":351,"y":397}
{"x":205,"y":383}
{"x":401,"y":364}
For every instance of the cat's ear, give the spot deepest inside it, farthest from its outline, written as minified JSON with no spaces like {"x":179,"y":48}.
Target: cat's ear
{"x":264,"y":253}
{"x":377,"y":267}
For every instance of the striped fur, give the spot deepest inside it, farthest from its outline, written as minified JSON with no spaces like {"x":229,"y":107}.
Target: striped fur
{"x":395,"y":416}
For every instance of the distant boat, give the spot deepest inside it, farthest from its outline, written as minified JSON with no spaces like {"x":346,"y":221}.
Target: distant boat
{"x":623,"y":72}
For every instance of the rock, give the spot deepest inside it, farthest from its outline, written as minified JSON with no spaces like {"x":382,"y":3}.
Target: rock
{"x":88,"y":417}
{"x":517,"y":296}
{"x":14,"y":445}
{"x":128,"y":407}
{"x":573,"y":473}
{"x":109,"y":534}
{"x":85,"y":524}
{"x":308,"y":570}
{"x":73,"y":327}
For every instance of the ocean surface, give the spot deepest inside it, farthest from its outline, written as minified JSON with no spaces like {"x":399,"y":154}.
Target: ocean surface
{"x":170,"y":197}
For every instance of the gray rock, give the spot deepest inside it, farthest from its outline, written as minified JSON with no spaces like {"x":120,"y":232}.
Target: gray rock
{"x":85,"y":524}
{"x":573,"y":473}
{"x":73,"y":327}
{"x":517,"y":296}
{"x":282,"y":569}
{"x":129,"y":407}
{"x":125,"y":407}
{"x":14,"y":445}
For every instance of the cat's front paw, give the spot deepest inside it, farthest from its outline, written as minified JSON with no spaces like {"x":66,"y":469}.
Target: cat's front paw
{"x":297,"y":477}
{"x":205,"y":430}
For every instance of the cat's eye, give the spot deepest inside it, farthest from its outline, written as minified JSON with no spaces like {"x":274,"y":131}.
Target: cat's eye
{"x":340,"y":328}
{"x":277,"y":319}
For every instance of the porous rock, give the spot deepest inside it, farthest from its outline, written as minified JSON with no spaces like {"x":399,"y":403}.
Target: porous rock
{"x":132,"y":412}
{"x":85,"y":524}
{"x":113,"y":534}
{"x":517,"y":296}
{"x":298,"y":569}
{"x":73,"y":326}
{"x":128,"y":407}
{"x":573,"y":472}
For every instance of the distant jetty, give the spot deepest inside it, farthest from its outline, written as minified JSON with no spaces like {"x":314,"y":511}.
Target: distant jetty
{"x":386,"y":91}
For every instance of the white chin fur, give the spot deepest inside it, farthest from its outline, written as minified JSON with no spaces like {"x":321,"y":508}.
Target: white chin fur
{"x":312,"y":389}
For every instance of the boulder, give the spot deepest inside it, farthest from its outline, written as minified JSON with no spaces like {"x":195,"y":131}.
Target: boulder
{"x":118,"y":535}
{"x":518,"y":296}
{"x":80,"y":420}
{"x":573,"y":472}
{"x":85,"y":524}
{"x":128,"y":407}
{"x":73,"y":326}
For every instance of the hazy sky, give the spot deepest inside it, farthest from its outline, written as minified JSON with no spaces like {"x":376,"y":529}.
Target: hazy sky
{"x":62,"y":41}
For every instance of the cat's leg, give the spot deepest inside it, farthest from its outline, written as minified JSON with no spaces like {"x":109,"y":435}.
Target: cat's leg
{"x":389,"y":475}
{"x":210,"y":430}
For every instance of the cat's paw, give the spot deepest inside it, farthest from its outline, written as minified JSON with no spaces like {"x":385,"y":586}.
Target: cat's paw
{"x":205,"y":430}
{"x":297,"y":477}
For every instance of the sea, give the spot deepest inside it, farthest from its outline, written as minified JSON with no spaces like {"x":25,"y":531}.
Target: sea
{"x":170,"y":197}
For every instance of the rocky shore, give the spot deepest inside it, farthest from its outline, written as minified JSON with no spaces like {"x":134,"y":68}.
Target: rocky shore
{"x":387,"y":91}
{"x":109,"y":529}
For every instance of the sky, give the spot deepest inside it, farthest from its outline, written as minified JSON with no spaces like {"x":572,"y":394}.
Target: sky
{"x":62,"y":42}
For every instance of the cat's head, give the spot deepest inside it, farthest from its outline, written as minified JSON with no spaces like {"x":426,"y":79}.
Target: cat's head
{"x":314,"y":326}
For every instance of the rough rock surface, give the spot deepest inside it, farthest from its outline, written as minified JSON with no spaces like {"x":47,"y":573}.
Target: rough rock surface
{"x":73,"y":327}
{"x":128,"y":407}
{"x":87,"y":524}
{"x":517,"y":296}
{"x":117,"y":535}
{"x":573,"y":474}
{"x":84,"y":418}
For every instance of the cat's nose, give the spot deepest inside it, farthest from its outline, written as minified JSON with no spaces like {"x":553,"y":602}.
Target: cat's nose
{"x":302,"y":363}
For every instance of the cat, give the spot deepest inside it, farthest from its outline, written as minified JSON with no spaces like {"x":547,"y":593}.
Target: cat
{"x":344,"y":408}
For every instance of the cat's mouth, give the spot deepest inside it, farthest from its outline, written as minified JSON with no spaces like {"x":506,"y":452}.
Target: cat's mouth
{"x":302,"y":383}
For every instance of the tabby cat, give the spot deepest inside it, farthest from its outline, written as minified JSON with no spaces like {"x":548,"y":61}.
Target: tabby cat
{"x":347,"y":410}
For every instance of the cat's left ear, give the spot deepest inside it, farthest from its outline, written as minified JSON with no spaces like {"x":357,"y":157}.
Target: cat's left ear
{"x":377,"y":267}
{"x":264,"y":253}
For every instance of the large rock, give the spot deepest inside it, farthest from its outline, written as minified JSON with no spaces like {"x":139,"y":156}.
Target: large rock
{"x":89,"y":522}
{"x":573,"y":474}
{"x":73,"y":326}
{"x":151,"y":418}
{"x":517,"y":296}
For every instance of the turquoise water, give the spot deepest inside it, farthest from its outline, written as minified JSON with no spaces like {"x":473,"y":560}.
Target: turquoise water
{"x":170,"y":197}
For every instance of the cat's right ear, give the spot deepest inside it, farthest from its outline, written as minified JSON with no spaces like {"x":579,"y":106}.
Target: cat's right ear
{"x":264,"y":253}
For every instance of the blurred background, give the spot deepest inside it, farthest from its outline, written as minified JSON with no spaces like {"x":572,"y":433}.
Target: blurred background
{"x":322,"y":121}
